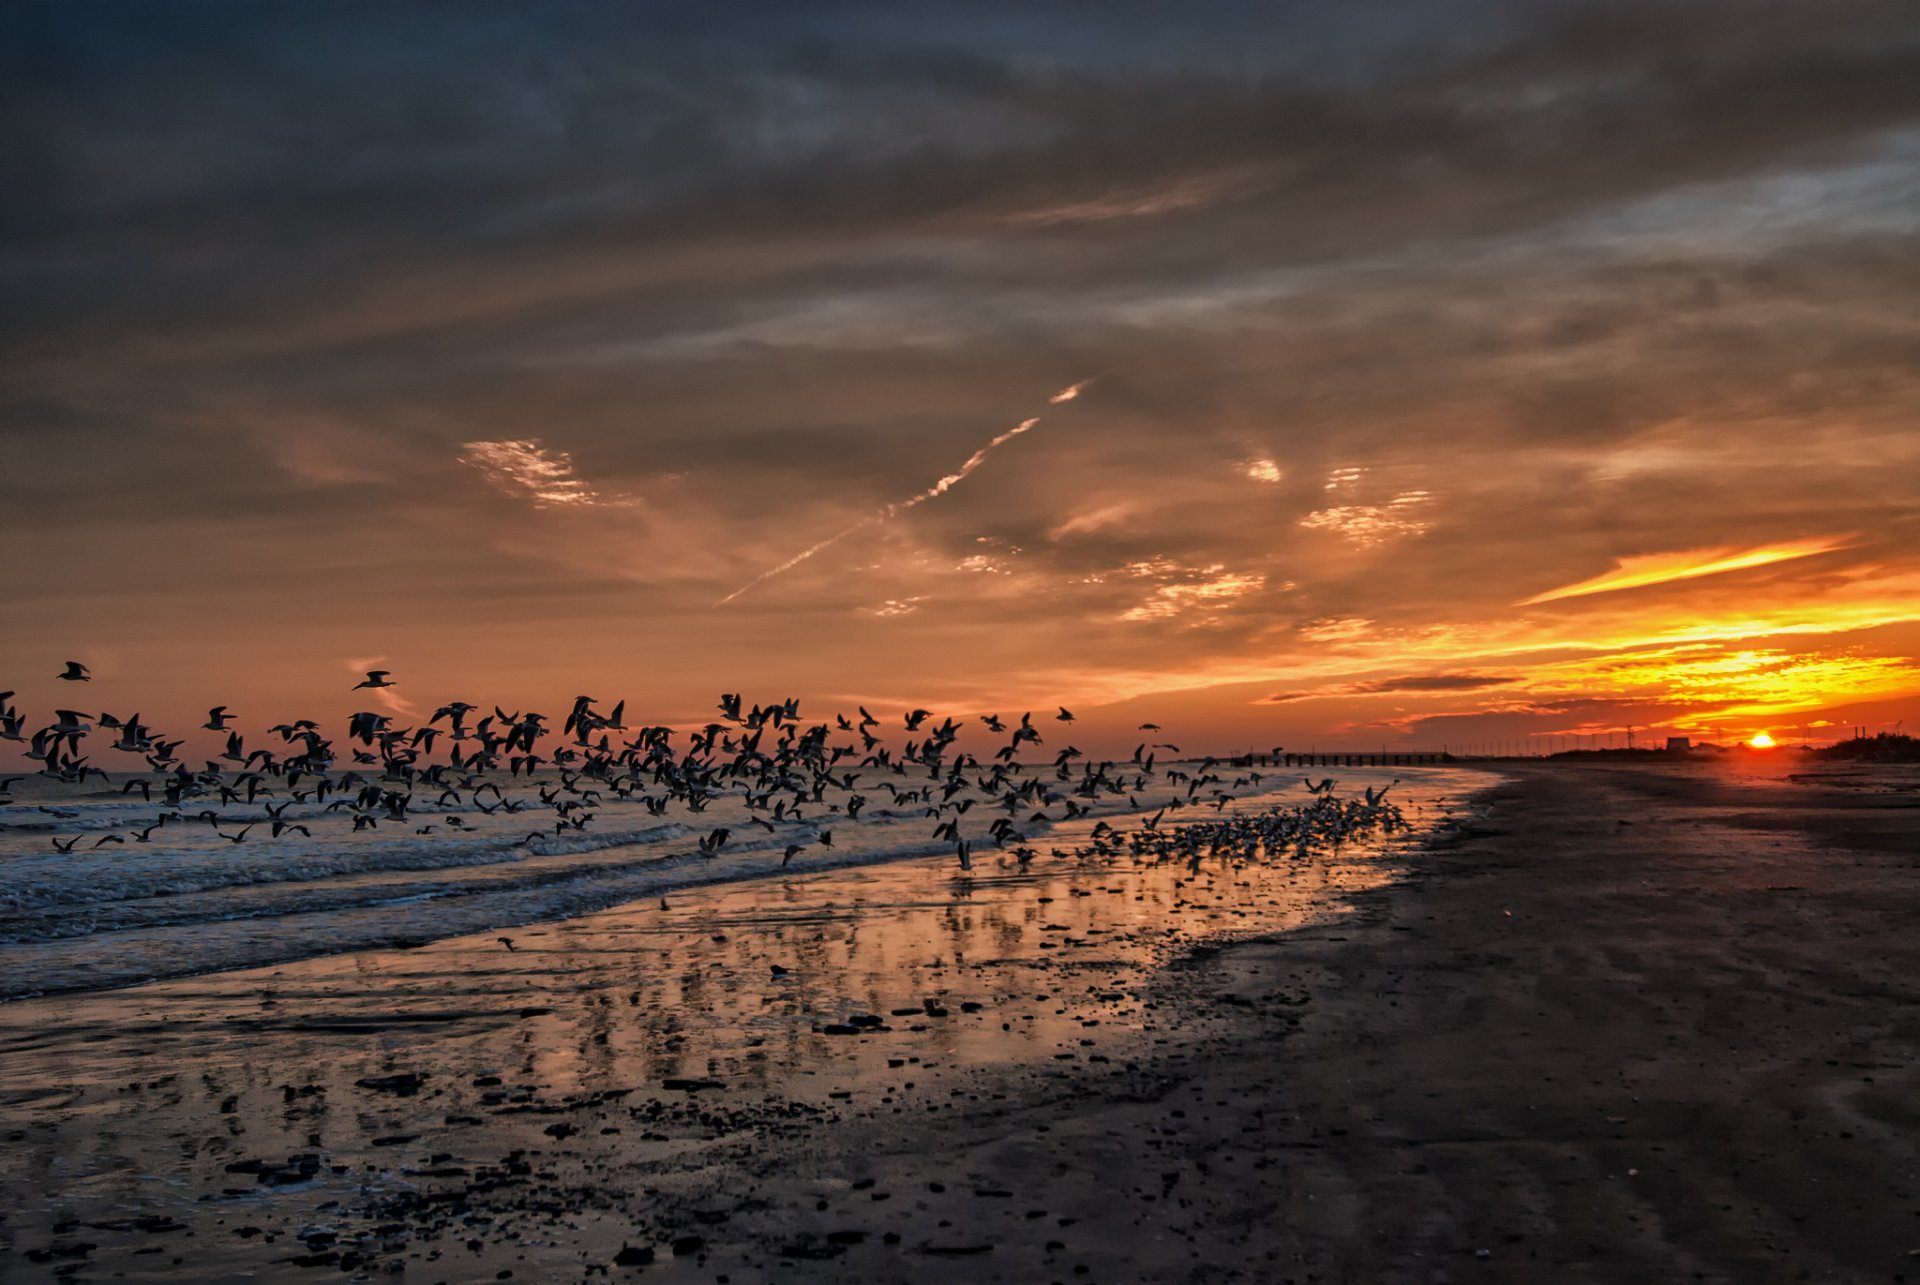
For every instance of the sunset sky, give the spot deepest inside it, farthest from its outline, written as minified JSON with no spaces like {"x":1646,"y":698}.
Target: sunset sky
{"x":1446,"y":371}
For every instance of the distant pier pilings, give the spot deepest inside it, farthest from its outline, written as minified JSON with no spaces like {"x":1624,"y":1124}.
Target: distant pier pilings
{"x":1355,"y":758}
{"x":1343,"y":758}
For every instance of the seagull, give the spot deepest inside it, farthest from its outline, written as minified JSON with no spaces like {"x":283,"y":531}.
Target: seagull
{"x":76,"y":673}
{"x":505,"y":941}
{"x":1324,"y":787}
{"x":775,"y":773}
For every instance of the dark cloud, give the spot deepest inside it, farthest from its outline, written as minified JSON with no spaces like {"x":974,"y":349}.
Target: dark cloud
{"x":1437,"y":683}
{"x":306,"y":150}
{"x":1411,"y":683}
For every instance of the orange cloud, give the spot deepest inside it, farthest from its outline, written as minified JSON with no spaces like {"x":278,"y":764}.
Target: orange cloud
{"x":530,"y":468}
{"x":1734,"y":680}
{"x":1662,"y":568}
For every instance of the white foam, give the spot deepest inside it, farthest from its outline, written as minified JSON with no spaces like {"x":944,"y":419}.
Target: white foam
{"x":191,"y":901}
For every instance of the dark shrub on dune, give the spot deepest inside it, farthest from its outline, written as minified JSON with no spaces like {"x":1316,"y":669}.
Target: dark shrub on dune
{"x":1887,"y":747}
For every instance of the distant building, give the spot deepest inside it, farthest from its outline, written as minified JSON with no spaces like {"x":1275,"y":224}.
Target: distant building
{"x":1681,"y":744}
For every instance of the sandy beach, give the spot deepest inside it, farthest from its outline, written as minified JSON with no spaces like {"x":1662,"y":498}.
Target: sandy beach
{"x":1613,"y":1023}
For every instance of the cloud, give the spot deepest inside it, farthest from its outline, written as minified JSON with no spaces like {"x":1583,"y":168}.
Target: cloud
{"x":1436,"y":683}
{"x":656,"y":149}
{"x":1143,"y":203}
{"x":1337,"y":629}
{"x":385,"y":697}
{"x":1192,"y":600}
{"x":1097,"y":518}
{"x":1664,"y":568}
{"x":527,"y":467}
{"x":1368,"y":526}
{"x":1409,"y":683}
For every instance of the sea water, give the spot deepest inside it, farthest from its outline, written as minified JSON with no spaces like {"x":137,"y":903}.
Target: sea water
{"x":189,"y":899}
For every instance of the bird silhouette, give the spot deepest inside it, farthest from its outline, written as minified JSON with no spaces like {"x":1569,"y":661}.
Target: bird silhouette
{"x":763,"y":767}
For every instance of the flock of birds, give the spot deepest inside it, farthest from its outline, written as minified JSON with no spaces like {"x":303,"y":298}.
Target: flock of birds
{"x":792,"y":776}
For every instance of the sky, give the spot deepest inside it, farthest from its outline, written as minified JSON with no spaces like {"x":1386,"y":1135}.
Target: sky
{"x":1446,"y":373}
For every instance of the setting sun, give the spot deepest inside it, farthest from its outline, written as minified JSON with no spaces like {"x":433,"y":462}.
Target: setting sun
{"x":1761,"y":741}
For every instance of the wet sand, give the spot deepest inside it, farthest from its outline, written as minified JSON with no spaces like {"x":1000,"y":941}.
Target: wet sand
{"x":680,"y":1073}
{"x":1636,"y":1024}
{"x":1557,"y":1047}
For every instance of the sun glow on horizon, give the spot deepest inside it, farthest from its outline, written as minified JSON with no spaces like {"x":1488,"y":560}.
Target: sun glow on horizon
{"x":1761,"y":741}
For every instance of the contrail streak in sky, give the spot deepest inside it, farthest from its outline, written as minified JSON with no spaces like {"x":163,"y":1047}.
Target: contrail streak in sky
{"x":941,"y":487}
{"x":973,"y":462}
{"x":806,"y":553}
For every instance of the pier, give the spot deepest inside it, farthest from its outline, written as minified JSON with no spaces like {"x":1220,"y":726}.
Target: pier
{"x":1344,"y":758}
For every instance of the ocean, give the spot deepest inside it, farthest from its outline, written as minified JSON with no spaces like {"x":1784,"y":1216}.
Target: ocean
{"x":85,"y":904}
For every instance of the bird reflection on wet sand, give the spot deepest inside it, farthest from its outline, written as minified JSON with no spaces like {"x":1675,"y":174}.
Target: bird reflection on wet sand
{"x":618,"y":1080}
{"x":595,"y":1088}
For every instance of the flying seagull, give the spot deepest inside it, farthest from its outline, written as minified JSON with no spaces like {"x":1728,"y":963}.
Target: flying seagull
{"x":76,"y":673}
{"x":375,"y":678}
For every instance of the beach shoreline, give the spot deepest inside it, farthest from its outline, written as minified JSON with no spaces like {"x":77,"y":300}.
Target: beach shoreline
{"x":309,"y":1104}
{"x":1556,"y":1046}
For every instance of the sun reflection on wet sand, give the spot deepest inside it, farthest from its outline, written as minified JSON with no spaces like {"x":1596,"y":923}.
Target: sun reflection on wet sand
{"x":604,"y":1049}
